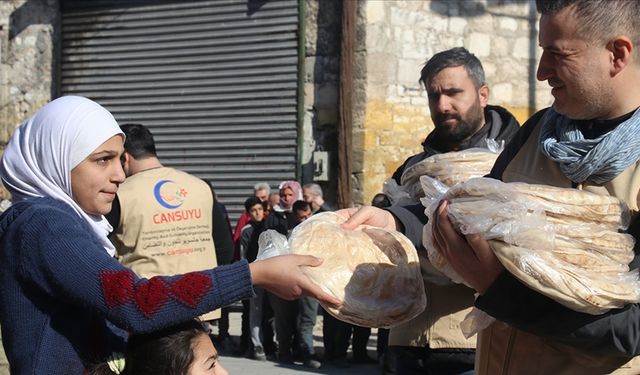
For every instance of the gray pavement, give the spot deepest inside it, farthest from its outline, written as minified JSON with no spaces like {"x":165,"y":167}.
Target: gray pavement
{"x":242,"y":366}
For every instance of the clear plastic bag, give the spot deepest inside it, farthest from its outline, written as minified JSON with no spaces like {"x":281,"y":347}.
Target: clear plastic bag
{"x":448,"y":168}
{"x":374,"y":271}
{"x":563,"y":243}
{"x":271,"y":244}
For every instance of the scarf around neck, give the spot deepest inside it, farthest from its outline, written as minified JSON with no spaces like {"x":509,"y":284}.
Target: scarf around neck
{"x":42,"y":152}
{"x":598,"y":160}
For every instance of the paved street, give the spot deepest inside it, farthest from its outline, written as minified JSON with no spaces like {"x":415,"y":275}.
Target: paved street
{"x":242,"y":366}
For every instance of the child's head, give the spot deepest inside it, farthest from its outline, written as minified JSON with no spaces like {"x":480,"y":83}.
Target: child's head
{"x":185,"y":349}
{"x":255,"y":209}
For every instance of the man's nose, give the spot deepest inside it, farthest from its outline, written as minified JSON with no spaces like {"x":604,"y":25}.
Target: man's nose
{"x":545,"y":68}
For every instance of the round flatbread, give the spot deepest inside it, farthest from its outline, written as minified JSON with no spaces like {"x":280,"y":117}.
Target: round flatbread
{"x":572,"y":286}
{"x":374,"y":271}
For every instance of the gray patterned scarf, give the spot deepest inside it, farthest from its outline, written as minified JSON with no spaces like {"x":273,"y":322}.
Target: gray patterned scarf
{"x":598,"y":160}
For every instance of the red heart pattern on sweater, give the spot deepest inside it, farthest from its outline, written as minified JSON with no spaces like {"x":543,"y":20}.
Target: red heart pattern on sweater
{"x":150,"y":296}
{"x":191,"y":288}
{"x":119,"y":288}
{"x":116,"y":287}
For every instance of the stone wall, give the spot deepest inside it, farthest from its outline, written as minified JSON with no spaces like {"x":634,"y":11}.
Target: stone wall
{"x":28,"y":34}
{"x":400,"y":37}
{"x":321,"y":86}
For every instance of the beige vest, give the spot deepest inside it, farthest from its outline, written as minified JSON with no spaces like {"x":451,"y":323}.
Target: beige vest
{"x":166,"y":225}
{"x":504,"y":350}
{"x":438,"y":326}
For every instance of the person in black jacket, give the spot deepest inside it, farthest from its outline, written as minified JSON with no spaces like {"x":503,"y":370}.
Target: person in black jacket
{"x":458,"y":101}
{"x":590,"y":60}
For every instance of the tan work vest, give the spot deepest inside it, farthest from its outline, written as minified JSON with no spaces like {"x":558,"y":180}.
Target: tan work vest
{"x":504,"y":350}
{"x":166,"y":225}
{"x":438,"y":326}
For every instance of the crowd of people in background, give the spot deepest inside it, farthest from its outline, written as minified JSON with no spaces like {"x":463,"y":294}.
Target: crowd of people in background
{"x":94,"y":279}
{"x":278,"y":329}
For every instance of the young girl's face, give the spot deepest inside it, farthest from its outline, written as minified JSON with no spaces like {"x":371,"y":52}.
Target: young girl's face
{"x":95,"y":181}
{"x":205,"y":358}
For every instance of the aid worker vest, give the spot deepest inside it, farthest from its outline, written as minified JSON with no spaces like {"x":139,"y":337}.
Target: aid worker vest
{"x":166,"y":224}
{"x":438,"y":326}
{"x":504,"y":350}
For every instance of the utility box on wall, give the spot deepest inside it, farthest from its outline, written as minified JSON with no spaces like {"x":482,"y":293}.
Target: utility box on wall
{"x":320,"y":166}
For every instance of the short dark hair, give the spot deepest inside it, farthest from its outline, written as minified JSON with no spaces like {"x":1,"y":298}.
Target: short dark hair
{"x":380,"y":200}
{"x":602,"y":20}
{"x":138,"y":141}
{"x":458,"y":56}
{"x":252,"y":201}
{"x":301,"y":206}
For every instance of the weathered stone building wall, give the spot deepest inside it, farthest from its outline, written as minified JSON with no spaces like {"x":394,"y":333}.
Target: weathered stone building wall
{"x":400,"y":37}
{"x":321,"y":87}
{"x":28,"y":34}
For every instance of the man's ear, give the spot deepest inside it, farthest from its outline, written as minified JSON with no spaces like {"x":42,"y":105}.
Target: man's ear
{"x":125,"y":161}
{"x":483,"y":95}
{"x":621,"y":50}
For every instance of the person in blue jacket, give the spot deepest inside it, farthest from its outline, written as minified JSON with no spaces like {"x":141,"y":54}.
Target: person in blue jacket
{"x":65,"y":302}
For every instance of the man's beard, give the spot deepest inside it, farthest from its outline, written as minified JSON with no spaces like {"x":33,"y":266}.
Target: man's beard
{"x":465,"y":127}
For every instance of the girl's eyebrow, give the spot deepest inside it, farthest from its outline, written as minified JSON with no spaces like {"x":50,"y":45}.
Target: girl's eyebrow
{"x":105,"y":152}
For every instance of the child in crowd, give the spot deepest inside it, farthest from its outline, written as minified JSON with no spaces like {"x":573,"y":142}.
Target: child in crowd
{"x":184,"y":349}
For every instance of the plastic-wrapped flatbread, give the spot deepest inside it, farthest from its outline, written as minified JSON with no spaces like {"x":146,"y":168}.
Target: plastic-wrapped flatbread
{"x":375,"y":272}
{"x":564,"y":243}
{"x":449,"y":168}
{"x":452,"y":167}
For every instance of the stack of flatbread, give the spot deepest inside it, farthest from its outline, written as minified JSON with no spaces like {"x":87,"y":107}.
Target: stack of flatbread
{"x":374,"y":271}
{"x":452,"y":167}
{"x":449,"y":168}
{"x":564,"y":243}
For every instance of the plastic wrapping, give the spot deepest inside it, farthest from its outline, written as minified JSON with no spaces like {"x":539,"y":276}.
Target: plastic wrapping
{"x":449,"y":168}
{"x":561,"y":242}
{"x":375,"y":272}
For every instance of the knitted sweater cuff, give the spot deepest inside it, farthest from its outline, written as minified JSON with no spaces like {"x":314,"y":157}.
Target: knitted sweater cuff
{"x":234,"y":281}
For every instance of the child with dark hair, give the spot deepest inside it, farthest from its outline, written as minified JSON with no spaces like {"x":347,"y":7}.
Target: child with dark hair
{"x":184,"y":349}
{"x":252,"y":314}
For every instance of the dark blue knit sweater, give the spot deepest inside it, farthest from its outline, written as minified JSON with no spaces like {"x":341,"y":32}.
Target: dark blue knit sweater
{"x":59,"y":287}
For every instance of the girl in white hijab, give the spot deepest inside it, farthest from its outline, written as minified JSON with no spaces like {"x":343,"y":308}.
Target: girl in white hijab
{"x":58,"y":286}
{"x":43,"y":151}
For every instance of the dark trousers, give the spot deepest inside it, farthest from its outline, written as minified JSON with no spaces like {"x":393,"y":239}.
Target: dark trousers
{"x":245,"y":335}
{"x":286,"y":318}
{"x":425,"y":361}
{"x":223,"y":322}
{"x":308,"y":313}
{"x":268,"y":325}
{"x":336,"y":335}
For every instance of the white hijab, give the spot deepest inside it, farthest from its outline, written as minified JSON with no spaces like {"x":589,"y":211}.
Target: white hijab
{"x":45,"y":148}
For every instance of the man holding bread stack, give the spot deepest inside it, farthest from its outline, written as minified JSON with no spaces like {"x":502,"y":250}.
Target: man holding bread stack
{"x":588,"y":140}
{"x":458,"y":102}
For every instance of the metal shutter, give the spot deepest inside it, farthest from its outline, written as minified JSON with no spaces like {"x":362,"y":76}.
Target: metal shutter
{"x":215,"y":81}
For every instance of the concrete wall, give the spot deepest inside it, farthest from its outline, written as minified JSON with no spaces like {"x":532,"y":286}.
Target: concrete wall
{"x":28,"y":40}
{"x":400,"y":37}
